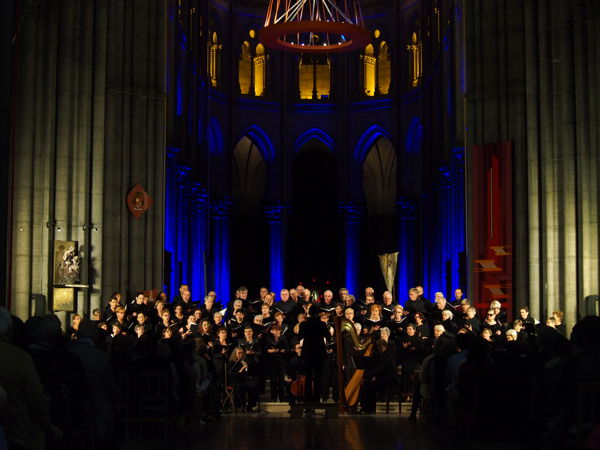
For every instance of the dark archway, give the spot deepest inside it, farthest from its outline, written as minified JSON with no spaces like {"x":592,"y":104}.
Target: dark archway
{"x":380,"y":233}
{"x":249,"y":240}
{"x":314,"y":239}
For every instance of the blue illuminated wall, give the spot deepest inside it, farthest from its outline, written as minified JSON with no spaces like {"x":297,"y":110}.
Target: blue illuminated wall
{"x":431,"y":223}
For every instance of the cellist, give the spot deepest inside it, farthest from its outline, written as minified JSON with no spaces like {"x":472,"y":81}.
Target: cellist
{"x":295,"y":375}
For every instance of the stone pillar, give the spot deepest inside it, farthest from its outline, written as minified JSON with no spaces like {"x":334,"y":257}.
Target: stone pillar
{"x":182,"y":223}
{"x":134,"y":146}
{"x":352,"y":219}
{"x":198,"y":245}
{"x":219,"y":214}
{"x":89,"y":121}
{"x":170,"y":244}
{"x":407,"y":254}
{"x":275,"y":219}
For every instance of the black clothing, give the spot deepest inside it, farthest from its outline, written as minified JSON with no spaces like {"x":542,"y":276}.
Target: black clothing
{"x":315,"y":334}
{"x":415,"y":306}
{"x":474,"y":323}
{"x":380,"y":375}
{"x":387,"y":311}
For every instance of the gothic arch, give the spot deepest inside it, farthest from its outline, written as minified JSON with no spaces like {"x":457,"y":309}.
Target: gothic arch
{"x":379,"y":177}
{"x":314,"y":138}
{"x":249,"y":177}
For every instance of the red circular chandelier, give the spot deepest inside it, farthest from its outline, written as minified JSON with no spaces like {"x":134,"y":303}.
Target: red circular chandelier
{"x":314,"y":26}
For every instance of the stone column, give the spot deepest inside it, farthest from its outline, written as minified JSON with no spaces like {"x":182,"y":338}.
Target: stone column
{"x":407,"y":256}
{"x":171,"y":199}
{"x":182,"y":223}
{"x":198,"y":246}
{"x":219,"y":214}
{"x":275,"y":219}
{"x":352,"y":219}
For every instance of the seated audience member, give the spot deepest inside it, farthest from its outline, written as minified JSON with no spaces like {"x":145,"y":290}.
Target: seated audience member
{"x":74,"y":328}
{"x":558,"y":322}
{"x":96,"y":315}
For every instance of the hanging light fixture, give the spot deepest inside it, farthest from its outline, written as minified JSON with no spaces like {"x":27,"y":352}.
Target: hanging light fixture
{"x":314,"y":26}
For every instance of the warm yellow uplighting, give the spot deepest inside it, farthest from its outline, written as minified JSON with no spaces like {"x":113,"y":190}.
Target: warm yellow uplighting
{"x":260,"y":70}
{"x":245,"y":69}
{"x":314,"y":76}
{"x":377,"y":69}
{"x":384,"y":69}
{"x":213,"y":59}
{"x":416,"y":50}
{"x":369,"y":66}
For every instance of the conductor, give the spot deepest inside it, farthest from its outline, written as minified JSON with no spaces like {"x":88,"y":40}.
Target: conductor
{"x":313,"y":335}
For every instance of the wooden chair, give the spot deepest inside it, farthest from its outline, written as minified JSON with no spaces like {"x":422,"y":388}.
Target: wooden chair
{"x":147,"y":413}
{"x":588,"y":407}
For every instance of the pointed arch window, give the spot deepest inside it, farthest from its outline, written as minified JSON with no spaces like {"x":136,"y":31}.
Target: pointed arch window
{"x":384,"y":69}
{"x":245,"y":68}
{"x":379,"y":178}
{"x":252,"y":67}
{"x":249,"y":177}
{"x":376,"y":67}
{"x":314,"y":77}
{"x":260,"y":70}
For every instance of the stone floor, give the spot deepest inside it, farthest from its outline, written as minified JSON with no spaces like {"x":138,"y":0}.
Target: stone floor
{"x":277,"y":431}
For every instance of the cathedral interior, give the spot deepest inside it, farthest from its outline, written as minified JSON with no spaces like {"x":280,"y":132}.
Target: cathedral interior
{"x":167,"y":144}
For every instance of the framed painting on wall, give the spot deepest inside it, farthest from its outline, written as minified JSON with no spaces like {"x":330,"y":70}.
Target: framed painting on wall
{"x":66,"y":263}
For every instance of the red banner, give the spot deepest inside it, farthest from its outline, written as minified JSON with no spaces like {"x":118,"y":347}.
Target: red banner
{"x":492,"y":224}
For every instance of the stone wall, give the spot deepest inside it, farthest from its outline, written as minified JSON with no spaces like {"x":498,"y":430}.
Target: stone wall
{"x":89,"y":125}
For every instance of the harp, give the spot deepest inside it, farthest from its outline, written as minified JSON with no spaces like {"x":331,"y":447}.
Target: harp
{"x":352,"y":352}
